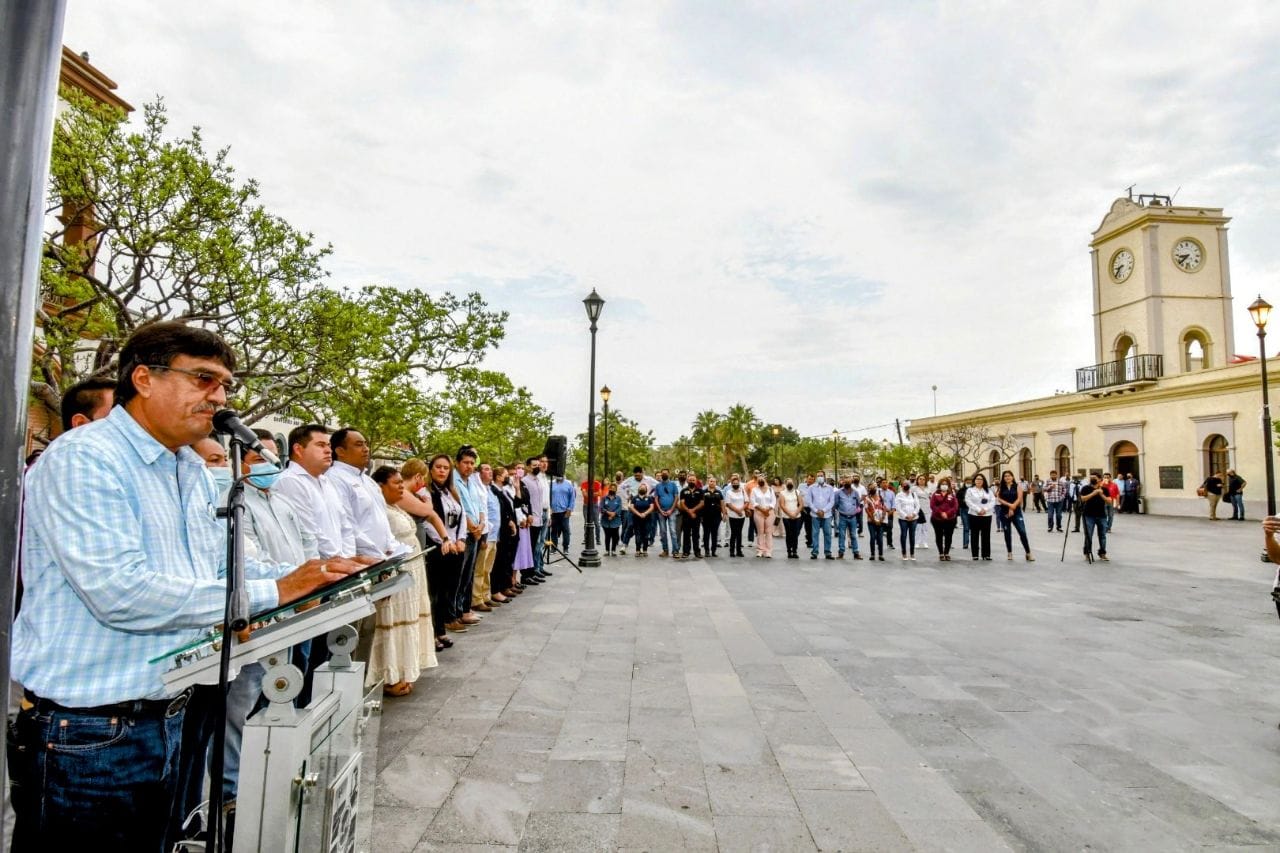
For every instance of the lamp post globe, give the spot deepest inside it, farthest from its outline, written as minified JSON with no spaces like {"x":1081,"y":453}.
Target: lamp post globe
{"x":590,"y":557}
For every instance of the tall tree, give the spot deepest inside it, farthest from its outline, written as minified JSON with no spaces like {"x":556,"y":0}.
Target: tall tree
{"x":148,"y":227}
{"x":629,"y":446}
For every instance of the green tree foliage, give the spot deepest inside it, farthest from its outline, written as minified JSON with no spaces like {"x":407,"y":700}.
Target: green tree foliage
{"x":629,"y":446}
{"x":486,"y":410}
{"x":174,"y":234}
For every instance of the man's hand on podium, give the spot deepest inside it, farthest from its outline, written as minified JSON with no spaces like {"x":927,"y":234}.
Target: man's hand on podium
{"x":312,"y":575}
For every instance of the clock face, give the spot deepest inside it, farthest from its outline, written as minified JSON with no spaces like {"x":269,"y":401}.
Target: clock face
{"x":1121,"y":265}
{"x":1188,"y":254}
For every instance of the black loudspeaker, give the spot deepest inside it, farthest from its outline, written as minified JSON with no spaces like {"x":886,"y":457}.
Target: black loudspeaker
{"x":554,"y":450}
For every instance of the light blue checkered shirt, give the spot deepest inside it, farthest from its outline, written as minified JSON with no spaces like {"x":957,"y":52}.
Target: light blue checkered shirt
{"x":122,"y":556}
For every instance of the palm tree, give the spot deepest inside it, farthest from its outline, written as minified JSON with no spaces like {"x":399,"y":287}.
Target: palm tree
{"x":739,"y":428}
{"x":706,"y":432}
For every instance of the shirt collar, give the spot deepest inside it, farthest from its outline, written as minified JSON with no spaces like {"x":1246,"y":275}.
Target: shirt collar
{"x":346,"y":468}
{"x":148,"y":448}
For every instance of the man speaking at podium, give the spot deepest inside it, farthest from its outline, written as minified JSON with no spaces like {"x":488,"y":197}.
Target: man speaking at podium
{"x":124,"y":559}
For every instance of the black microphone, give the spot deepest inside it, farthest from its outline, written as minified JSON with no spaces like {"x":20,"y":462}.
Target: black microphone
{"x":227,"y":422}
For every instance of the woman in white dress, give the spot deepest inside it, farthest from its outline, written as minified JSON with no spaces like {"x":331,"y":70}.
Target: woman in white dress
{"x":403,"y":640}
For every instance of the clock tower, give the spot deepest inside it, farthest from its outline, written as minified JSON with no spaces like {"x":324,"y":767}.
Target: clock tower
{"x":1162,"y":284}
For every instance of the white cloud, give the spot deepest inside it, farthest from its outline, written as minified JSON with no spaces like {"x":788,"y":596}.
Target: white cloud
{"x":817,"y":209}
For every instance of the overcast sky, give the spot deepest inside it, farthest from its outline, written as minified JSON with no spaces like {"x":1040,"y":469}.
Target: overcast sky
{"x":819,"y":210}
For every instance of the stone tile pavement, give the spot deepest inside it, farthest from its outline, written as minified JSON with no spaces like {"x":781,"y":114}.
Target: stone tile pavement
{"x":798,"y":705}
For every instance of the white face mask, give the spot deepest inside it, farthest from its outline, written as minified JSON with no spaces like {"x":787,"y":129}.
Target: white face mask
{"x":944,"y":488}
{"x":821,"y":480}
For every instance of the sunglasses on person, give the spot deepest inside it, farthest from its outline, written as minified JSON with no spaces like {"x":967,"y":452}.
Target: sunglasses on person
{"x":205,"y":381}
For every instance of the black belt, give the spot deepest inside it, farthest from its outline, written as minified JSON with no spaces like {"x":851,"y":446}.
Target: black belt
{"x":136,"y":708}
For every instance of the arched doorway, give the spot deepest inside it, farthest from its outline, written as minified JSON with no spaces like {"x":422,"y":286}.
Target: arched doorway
{"x":1125,"y":347}
{"x":1064,"y":460}
{"x":1124,"y":459}
{"x":1024,"y":464}
{"x":1217,"y":457}
{"x":993,"y":467}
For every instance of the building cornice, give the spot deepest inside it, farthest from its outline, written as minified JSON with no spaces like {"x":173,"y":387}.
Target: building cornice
{"x":1218,"y":380}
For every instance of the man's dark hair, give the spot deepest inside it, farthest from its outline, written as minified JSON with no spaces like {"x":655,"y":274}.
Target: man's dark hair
{"x":263,"y":435}
{"x":83,"y":397}
{"x":302,"y":434}
{"x":639,"y":469}
{"x":464,"y":451}
{"x":160,"y":343}
{"x":339,"y":438}
{"x":531,"y":460}
{"x":383,"y":474}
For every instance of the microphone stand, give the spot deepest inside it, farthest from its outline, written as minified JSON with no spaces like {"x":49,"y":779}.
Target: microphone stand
{"x":235,"y":619}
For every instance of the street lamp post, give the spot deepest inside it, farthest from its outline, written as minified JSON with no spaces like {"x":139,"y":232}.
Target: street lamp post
{"x":935,"y":401}
{"x":605,"y":394}
{"x":589,"y":557}
{"x":835,"y":455}
{"x":777,"y":464}
{"x":1260,"y":311}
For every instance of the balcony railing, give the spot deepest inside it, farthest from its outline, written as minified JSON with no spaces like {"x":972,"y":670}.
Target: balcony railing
{"x":1135,"y":368}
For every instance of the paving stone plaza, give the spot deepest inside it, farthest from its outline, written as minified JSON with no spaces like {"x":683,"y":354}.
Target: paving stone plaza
{"x":795,"y":705}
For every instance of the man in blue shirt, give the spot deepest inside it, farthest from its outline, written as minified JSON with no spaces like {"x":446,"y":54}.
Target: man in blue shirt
{"x":563,"y":498}
{"x":821,"y":501}
{"x":666,"y":492}
{"x":848,"y":509}
{"x":890,"y":504}
{"x":121,"y":567}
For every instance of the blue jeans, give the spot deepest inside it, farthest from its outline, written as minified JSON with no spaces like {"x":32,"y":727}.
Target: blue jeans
{"x":87,"y":782}
{"x":667,"y":531}
{"x":849,"y":524}
{"x":1009,"y":525}
{"x":1099,"y":524}
{"x":535,"y":540}
{"x":560,"y":523}
{"x":821,"y":526}
{"x":964,"y":523}
{"x":243,"y":695}
{"x":907,"y":537}
{"x":1237,"y":506}
{"x":1054,"y":508}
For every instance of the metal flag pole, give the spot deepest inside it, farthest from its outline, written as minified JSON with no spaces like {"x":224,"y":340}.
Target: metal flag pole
{"x":30,"y":47}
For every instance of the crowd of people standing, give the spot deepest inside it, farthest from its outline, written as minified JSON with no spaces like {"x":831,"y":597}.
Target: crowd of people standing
{"x":121,"y":568}
{"x":687,"y":516}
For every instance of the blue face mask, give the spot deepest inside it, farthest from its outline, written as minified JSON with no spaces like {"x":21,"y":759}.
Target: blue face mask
{"x":221,"y":476}
{"x":263,"y":475}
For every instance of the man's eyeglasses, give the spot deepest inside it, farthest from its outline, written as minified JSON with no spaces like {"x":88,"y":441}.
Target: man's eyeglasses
{"x":204,"y":380}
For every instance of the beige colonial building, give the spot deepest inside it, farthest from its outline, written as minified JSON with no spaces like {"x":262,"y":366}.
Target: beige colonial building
{"x":1168,"y":400}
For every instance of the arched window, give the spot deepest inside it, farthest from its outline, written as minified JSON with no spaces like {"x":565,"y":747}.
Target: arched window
{"x":1064,"y":460}
{"x":1125,"y":347}
{"x":1024,"y":464}
{"x":993,"y":467}
{"x":1216,"y":457}
{"x":1195,"y":350}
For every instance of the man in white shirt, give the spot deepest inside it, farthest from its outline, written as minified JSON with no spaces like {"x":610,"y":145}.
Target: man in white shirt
{"x":362,"y":497}
{"x":306,"y":487}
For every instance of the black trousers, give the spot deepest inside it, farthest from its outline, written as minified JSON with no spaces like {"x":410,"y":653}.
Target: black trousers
{"x":942,"y":533}
{"x":805,"y":519}
{"x":443,"y":572}
{"x":503,"y":563}
{"x":710,"y":534}
{"x":689,"y":536}
{"x":791,"y":529}
{"x":980,"y":536}
{"x":735,"y":536}
{"x":611,"y":538}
